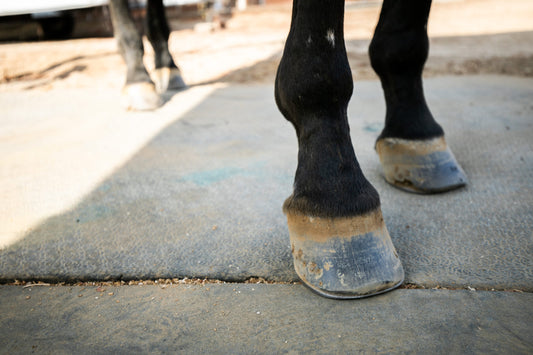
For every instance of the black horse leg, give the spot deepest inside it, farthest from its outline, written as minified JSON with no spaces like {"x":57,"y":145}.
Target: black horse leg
{"x":340,"y":244}
{"x":139,"y":91}
{"x":412,"y":149}
{"x":167,"y":75}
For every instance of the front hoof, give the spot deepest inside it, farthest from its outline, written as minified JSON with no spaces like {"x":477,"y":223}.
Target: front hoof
{"x":168,"y":79}
{"x":140,"y":97}
{"x":422,"y":166}
{"x":344,"y":257}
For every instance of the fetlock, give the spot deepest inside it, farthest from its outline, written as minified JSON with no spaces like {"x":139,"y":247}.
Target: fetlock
{"x":328,"y":180}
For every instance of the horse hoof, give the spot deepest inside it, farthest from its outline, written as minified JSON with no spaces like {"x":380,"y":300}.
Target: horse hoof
{"x":422,"y":166}
{"x":140,"y":97}
{"x":168,"y":79}
{"x":344,"y":258}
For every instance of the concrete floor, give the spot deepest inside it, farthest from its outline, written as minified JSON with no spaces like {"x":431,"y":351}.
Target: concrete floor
{"x":195,"y":190}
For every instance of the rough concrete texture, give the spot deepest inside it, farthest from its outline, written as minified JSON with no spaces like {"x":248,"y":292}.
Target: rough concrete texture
{"x":262,"y":319}
{"x":202,"y":198}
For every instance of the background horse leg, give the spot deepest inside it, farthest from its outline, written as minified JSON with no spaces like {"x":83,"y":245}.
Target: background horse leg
{"x":412,"y":149}
{"x":139,"y":91}
{"x":340,"y":244}
{"x":166,"y":75}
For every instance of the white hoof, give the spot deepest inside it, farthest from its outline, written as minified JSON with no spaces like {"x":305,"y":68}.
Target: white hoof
{"x":168,"y":79}
{"x":140,"y":97}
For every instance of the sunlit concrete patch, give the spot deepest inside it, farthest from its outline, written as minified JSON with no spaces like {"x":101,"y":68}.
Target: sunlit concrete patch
{"x":57,"y":146}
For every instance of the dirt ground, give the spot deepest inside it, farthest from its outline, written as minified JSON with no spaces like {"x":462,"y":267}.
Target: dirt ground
{"x":466,"y":37}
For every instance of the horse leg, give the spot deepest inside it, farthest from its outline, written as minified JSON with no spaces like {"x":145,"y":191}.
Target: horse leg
{"x":340,"y":244}
{"x":139,"y":91}
{"x":166,"y":75}
{"x":411,"y":147}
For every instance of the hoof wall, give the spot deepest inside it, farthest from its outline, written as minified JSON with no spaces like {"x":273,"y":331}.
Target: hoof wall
{"x":140,"y":97}
{"x":168,"y":79}
{"x":344,"y":258}
{"x":427,"y":166}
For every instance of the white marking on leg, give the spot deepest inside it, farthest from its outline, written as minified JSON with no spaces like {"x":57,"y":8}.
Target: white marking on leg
{"x":308,"y":41}
{"x":330,"y":36}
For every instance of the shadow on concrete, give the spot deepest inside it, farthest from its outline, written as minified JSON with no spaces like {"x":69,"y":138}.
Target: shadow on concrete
{"x":202,"y":199}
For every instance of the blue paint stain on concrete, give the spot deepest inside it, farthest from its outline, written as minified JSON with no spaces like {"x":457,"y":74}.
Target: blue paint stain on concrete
{"x":374,"y":127}
{"x":209,"y":177}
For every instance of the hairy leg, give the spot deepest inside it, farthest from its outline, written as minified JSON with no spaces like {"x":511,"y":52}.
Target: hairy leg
{"x":167,"y":75}
{"x":139,"y":91}
{"x":411,"y":147}
{"x":340,"y":244}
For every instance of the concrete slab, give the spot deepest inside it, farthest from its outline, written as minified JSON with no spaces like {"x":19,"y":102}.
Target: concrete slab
{"x":202,"y":198}
{"x":247,"y":318}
